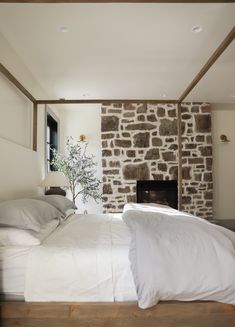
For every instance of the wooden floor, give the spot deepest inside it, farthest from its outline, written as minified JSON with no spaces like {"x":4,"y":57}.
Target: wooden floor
{"x":167,"y":314}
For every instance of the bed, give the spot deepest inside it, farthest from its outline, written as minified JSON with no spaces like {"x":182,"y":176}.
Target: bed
{"x":144,"y":255}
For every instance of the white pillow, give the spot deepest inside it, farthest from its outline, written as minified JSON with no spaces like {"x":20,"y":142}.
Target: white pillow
{"x":10,"y":236}
{"x":60,"y":202}
{"x":27,"y":214}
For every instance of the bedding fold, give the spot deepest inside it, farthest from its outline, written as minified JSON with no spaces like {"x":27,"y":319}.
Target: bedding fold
{"x":177,"y":256}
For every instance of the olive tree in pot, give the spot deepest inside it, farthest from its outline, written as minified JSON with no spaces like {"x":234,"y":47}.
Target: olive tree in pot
{"x":80,"y":169}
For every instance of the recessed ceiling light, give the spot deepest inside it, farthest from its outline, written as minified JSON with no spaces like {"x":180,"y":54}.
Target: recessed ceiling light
{"x":196,"y":29}
{"x":163,"y":95}
{"x":64,"y":29}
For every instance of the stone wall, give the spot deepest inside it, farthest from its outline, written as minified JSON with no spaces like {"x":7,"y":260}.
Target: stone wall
{"x":197,"y":159}
{"x":139,"y":142}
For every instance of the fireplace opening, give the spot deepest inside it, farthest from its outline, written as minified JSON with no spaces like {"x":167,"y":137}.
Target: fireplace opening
{"x":155,"y":191}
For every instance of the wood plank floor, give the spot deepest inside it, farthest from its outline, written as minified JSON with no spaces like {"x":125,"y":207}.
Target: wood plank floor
{"x":166,"y":314}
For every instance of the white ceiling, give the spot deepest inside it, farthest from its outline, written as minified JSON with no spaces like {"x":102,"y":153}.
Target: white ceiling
{"x":124,"y":51}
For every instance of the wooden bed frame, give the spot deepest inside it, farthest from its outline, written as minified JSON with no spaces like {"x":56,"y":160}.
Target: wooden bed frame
{"x":125,"y":314}
{"x":122,"y":314}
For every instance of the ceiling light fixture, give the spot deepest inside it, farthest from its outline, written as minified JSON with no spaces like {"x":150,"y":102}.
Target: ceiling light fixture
{"x":196,"y":29}
{"x":64,"y":29}
{"x":164,"y":95}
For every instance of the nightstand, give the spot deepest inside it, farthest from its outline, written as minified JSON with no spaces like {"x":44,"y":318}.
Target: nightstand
{"x":227,"y":223}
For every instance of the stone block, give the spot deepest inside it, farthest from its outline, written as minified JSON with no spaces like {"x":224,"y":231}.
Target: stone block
{"x":106,"y":153}
{"x":141,"y":140}
{"x":130,"y":153}
{"x":186,"y":172}
{"x":114,"y":164}
{"x":109,"y":123}
{"x":111,"y":172}
{"x":142,"y":109}
{"x":107,"y":136}
{"x":207,"y":177}
{"x":131,"y":198}
{"x":129,"y":106}
{"x":169,"y":156}
{"x":157,"y":177}
{"x":141,"y":118}
{"x":168,"y":127}
{"x":206,"y":151}
{"x":129,"y":114}
{"x":171,"y":112}
{"x":123,"y":143}
{"x":160,"y":112}
{"x":156,"y":141}
{"x":203,"y":123}
{"x":136,"y":171}
{"x":152,"y":154}
{"x":151,"y":118}
{"x":200,"y":138}
{"x":114,"y":111}
{"x":173,"y":171}
{"x":107,"y":189}
{"x":124,"y":189}
{"x":162,"y":167}
{"x":116,"y":152}
{"x":140,"y":126}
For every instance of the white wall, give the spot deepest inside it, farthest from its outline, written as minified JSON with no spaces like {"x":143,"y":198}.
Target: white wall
{"x":223,"y":120}
{"x":16,"y":155}
{"x":84,"y":119}
{"x":15,"y":114}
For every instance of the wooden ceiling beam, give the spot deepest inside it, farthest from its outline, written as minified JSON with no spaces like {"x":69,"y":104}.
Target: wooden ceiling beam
{"x":104,"y":101}
{"x":17,"y":84}
{"x":116,"y":1}
{"x":218,"y":52}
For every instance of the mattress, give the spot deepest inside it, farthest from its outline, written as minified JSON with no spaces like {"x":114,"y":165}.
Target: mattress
{"x":13,"y":263}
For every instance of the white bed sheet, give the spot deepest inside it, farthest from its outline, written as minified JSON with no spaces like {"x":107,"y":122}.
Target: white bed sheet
{"x":85,"y":259}
{"x":13,"y":262}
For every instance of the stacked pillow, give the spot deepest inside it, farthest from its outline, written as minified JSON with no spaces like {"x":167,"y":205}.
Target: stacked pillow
{"x":29,"y":221}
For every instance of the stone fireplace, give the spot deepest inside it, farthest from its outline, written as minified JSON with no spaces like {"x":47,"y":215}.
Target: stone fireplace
{"x":139,"y":142}
{"x":161,"y":192}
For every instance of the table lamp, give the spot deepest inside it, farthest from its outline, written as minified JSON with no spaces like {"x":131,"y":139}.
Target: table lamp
{"x":55,"y":180}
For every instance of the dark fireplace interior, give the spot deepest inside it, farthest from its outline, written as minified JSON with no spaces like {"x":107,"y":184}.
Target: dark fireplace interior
{"x":155,"y":191}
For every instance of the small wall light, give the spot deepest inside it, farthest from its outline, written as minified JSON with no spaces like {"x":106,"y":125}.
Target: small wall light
{"x":224,"y":138}
{"x":82,"y":138}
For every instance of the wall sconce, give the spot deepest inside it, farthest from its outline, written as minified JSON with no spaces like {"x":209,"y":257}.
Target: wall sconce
{"x":82,"y":138}
{"x":224,"y":138}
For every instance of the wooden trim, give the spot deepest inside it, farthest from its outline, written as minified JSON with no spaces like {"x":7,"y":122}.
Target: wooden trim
{"x":179,"y":121}
{"x":35,"y":126}
{"x":218,"y":52}
{"x":165,"y":314}
{"x":104,"y":101}
{"x":17,"y":84}
{"x":116,"y":1}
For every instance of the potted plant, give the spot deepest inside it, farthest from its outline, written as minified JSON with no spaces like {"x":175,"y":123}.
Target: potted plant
{"x":80,"y":169}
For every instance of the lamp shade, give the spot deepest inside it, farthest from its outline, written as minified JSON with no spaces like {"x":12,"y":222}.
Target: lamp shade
{"x":55,"y":179}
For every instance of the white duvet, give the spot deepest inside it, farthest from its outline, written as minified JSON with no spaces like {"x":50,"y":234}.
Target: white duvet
{"x":85,"y":259}
{"x":176,"y":256}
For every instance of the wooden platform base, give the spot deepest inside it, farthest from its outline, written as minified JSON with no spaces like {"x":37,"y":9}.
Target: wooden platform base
{"x":165,"y":314}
